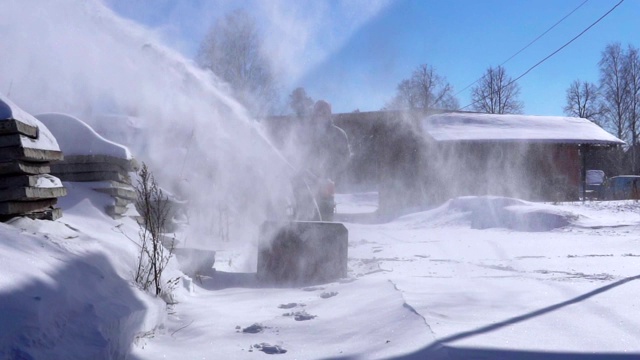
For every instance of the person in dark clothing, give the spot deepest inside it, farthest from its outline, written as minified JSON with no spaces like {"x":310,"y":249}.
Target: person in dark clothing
{"x":327,"y":145}
{"x":325,"y":155}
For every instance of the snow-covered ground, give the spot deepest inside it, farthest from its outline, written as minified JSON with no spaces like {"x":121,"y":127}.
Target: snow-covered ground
{"x":432,"y":284}
{"x":444,"y":283}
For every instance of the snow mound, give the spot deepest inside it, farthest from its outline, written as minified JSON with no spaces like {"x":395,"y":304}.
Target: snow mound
{"x":44,"y":141}
{"x":9,"y":110}
{"x":68,"y":130}
{"x":482,"y":212}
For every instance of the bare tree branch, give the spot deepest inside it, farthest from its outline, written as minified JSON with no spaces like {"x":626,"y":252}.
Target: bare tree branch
{"x":425,"y":89}
{"x":496,"y":93}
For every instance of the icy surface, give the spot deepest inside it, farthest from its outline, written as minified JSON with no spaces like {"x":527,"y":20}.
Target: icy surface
{"x":477,"y":127}
{"x":77,"y":138}
{"x":65,"y":288}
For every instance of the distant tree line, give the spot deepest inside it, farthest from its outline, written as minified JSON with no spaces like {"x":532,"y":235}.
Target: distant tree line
{"x":233,"y":50}
{"x":614,"y":101}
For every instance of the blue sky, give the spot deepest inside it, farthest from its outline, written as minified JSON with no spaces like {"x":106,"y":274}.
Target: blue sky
{"x":354,"y":53}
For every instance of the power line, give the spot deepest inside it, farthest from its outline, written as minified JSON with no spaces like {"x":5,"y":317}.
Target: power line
{"x":557,"y":51}
{"x":529,"y":44}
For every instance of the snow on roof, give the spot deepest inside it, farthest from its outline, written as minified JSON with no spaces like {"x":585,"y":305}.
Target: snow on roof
{"x":78,"y":138}
{"x":45,"y":140}
{"x":528,"y":128}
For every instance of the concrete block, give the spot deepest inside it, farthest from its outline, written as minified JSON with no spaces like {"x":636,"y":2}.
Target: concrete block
{"x":122,"y":201}
{"x":302,"y":253}
{"x":31,"y":193}
{"x":10,"y":140}
{"x":22,"y":167}
{"x":29,"y":154}
{"x":18,"y":181}
{"x":49,"y":214}
{"x":119,"y":192}
{"x":23,"y":207}
{"x":93,"y":176}
{"x":65,"y":167}
{"x":12,"y":126}
{"x":127,"y":164}
{"x":117,"y":211}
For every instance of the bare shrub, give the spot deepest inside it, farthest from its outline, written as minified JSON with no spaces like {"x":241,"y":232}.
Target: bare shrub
{"x":153,"y":207}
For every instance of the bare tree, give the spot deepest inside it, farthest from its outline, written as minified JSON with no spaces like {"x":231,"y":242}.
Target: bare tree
{"x":496,"y":93}
{"x":614,"y":90}
{"x":152,"y":205}
{"x":232,"y":49}
{"x":300,"y":102}
{"x":583,"y":100}
{"x":425,"y":89}
{"x":632,"y":79}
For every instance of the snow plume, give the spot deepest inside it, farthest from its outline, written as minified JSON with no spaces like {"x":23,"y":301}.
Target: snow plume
{"x":77,"y":57}
{"x":298,"y":35}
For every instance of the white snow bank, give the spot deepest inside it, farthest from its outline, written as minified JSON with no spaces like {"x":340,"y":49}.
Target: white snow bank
{"x":495,"y":127}
{"x":45,"y":140}
{"x":482,"y":212}
{"x":66,"y":289}
{"x":77,"y":138}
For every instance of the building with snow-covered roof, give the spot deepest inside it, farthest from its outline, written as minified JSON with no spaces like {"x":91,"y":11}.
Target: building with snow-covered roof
{"x":475,"y":127}
{"x":524,"y":156}
{"x":420,"y":157}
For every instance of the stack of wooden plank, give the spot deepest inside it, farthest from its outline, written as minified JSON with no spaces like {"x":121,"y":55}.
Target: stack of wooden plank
{"x":105,"y":165}
{"x":27,"y":149}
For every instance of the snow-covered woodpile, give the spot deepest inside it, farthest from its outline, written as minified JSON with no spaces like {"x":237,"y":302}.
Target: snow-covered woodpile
{"x":95,"y":160}
{"x":27,"y":149}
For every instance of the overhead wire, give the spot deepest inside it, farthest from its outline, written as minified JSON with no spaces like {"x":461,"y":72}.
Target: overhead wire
{"x":555,"y":52}
{"x":529,"y":44}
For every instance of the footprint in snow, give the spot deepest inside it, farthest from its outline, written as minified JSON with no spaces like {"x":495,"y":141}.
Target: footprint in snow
{"x":289,"y":305}
{"x":326,"y":295}
{"x":300,"y":315}
{"x":313,"y":288}
{"x":270,"y":349}
{"x":254,"y":329}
